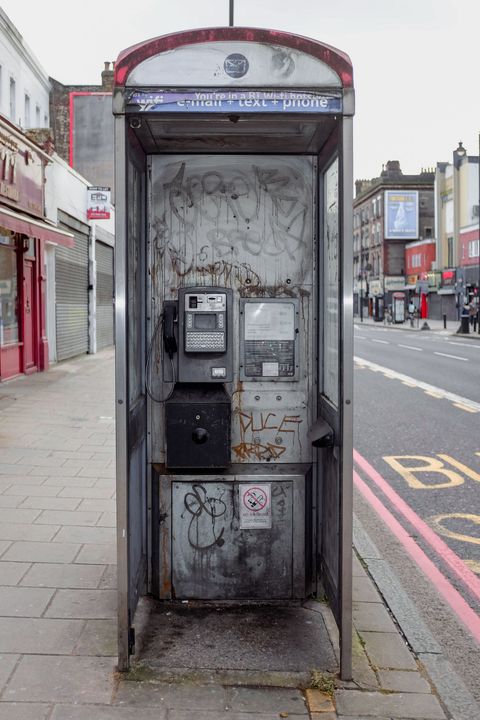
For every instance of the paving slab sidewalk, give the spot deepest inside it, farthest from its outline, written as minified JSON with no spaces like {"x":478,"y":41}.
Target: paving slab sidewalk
{"x":58,"y":579}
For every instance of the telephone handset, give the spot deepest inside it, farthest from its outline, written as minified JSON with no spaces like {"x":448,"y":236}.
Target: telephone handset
{"x":169,"y":340}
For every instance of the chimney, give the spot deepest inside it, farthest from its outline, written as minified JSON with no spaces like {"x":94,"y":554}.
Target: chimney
{"x":107,"y":76}
{"x":393,"y":169}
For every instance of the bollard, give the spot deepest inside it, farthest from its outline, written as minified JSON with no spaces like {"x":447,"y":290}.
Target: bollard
{"x":445,"y":321}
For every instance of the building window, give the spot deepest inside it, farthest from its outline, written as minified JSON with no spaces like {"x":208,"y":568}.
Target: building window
{"x":37,"y":116}
{"x":26,"y":114}
{"x":428,"y":233}
{"x":13,"y":99}
{"x":45,"y":120}
{"x":9,"y":294}
{"x":450,"y":262}
{"x":416,"y":260}
{"x":473,"y":248}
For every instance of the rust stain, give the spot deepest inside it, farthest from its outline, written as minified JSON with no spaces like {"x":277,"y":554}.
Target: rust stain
{"x":166,"y":589}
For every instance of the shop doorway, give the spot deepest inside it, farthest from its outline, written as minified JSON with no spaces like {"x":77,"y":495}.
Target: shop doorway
{"x":29,"y":359}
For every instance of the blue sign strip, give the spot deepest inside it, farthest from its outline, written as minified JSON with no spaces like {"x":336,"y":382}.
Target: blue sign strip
{"x":227,"y":101}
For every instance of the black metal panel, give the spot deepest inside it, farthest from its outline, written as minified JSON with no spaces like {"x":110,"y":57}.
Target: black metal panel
{"x":198,"y":427}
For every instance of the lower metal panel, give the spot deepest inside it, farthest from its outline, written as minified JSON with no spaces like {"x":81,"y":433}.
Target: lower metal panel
{"x":204,"y":554}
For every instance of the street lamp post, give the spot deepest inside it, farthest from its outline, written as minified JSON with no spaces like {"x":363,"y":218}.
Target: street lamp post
{"x":361,"y":296}
{"x":458,"y":154}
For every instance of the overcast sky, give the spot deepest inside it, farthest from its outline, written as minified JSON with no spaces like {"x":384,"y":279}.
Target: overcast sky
{"x":416,"y":62}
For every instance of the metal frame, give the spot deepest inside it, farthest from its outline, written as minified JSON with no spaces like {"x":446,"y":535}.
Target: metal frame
{"x":121,"y":393}
{"x":346,"y":386}
{"x":343,"y":420}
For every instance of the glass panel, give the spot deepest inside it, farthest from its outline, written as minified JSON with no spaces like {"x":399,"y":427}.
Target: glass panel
{"x":8,"y":296}
{"x":331,"y":295}
{"x":134,"y":285}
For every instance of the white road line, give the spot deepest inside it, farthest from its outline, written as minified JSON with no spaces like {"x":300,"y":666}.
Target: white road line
{"x":410,"y":347}
{"x":454,"y":357}
{"x":360,"y":337}
{"x":453,"y":397}
{"x":467,"y":344}
{"x":384,"y":342}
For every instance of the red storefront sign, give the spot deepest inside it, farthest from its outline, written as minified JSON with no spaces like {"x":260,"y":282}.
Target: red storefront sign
{"x":21,"y":172}
{"x":23,"y":233}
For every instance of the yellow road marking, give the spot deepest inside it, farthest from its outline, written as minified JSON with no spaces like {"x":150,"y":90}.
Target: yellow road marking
{"x":460,"y":466}
{"x":438,"y":520}
{"x":464,"y":407}
{"x":433,"y":394}
{"x":474,"y":565}
{"x":432,"y":466}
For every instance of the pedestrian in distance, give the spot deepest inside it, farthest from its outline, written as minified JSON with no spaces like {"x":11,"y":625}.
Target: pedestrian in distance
{"x":411,"y":312}
{"x":464,"y":318}
{"x":473,"y":315}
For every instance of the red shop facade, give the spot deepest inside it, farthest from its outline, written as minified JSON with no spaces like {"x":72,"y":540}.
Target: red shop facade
{"x":23,"y":234}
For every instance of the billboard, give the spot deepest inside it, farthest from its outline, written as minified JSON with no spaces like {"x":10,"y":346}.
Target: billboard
{"x":91,"y":136}
{"x":401,"y":214}
{"x":98,"y":203}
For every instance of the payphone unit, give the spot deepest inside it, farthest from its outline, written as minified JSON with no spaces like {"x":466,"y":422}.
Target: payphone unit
{"x":198,"y":412}
{"x":205,"y":332}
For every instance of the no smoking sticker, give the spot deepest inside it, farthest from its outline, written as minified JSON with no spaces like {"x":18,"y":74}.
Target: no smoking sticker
{"x":255,"y":506}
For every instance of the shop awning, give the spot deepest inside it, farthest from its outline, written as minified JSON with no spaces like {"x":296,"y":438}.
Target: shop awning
{"x":18,"y":223}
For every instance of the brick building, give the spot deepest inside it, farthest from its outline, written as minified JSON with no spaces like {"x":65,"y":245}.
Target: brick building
{"x":390,"y":211}
{"x":82,"y":123}
{"x":457,"y":231}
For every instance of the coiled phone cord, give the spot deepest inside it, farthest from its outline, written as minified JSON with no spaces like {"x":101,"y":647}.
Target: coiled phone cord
{"x":149,"y":391}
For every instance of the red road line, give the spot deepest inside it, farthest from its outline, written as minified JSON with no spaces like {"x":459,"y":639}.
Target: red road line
{"x":456,"y":564}
{"x":461,"y":608}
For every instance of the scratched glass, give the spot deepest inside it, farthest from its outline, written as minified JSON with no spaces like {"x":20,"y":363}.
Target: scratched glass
{"x":331,"y":290}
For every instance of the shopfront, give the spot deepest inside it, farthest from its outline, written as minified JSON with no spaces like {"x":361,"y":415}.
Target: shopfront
{"x":23,"y":235}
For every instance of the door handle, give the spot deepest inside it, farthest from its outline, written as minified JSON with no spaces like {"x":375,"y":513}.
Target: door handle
{"x":321,"y":434}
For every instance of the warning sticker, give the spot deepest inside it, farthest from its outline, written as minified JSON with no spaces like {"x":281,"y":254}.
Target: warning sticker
{"x":255,"y":506}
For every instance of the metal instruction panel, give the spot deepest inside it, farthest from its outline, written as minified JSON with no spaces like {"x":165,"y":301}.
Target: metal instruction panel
{"x":269,"y":339}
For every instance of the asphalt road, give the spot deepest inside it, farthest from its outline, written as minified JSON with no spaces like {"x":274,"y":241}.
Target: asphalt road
{"x":417,"y":422}
{"x":441,"y":359}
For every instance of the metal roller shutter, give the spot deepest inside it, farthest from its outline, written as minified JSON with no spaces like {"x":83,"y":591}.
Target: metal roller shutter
{"x":104,"y":294}
{"x":71,"y":279}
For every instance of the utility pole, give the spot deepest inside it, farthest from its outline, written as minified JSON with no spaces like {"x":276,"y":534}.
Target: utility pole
{"x":230,"y":19}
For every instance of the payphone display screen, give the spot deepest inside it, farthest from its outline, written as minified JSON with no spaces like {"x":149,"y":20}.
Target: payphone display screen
{"x":269,"y":339}
{"x":205,"y":324}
